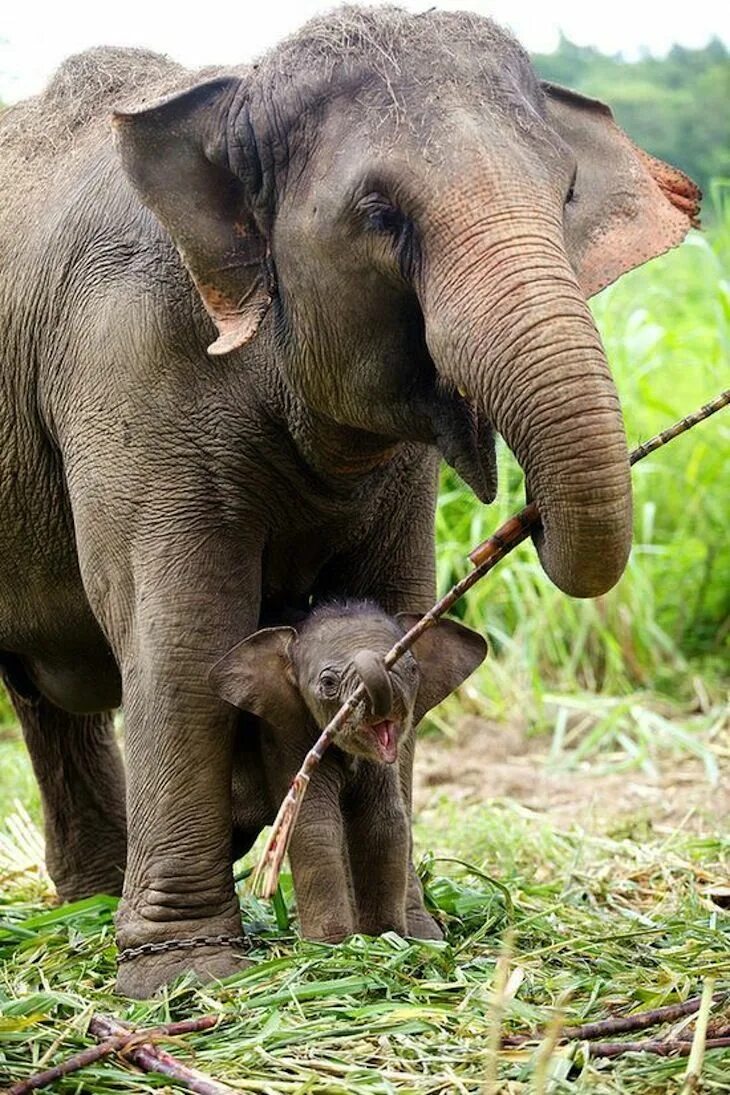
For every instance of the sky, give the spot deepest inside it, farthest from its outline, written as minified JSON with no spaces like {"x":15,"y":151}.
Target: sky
{"x":36,"y":36}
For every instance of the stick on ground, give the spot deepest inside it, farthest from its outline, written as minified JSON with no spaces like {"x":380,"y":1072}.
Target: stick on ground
{"x":669,"y":1048}
{"x":116,"y":1042}
{"x":151,"y":1058}
{"x":623,"y":1024}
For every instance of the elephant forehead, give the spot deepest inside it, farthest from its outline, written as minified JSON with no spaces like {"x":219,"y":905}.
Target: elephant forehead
{"x":399,"y":48}
{"x":338,"y":639}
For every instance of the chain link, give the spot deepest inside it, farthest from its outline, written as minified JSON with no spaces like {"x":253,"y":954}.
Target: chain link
{"x":129,"y":953}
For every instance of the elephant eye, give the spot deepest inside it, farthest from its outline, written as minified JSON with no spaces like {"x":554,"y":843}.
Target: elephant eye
{"x":329,"y":682}
{"x":569,"y":197}
{"x":381,"y":215}
{"x":411,"y":668}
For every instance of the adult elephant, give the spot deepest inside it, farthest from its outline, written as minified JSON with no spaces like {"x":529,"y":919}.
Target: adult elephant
{"x":236,"y":339}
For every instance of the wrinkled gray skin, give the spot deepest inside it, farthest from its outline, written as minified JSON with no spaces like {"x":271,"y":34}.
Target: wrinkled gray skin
{"x":350,"y":848}
{"x":387,"y":209}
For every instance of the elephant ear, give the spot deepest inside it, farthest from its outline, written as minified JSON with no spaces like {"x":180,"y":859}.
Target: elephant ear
{"x":628,"y":206}
{"x":174,"y":154}
{"x":256,"y":675}
{"x":447,"y":653}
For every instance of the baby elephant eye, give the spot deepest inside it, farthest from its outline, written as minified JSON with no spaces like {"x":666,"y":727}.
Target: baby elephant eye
{"x":329,"y":682}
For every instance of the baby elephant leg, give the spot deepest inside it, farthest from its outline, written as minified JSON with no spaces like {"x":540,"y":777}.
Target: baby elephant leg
{"x":319,"y":862}
{"x":378,"y":837}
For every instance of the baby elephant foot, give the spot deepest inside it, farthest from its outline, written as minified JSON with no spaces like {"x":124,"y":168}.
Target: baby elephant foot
{"x":140,"y":975}
{"x":331,"y":928}
{"x":379,"y":925}
{"x":422,"y":926}
{"x":327,"y":933}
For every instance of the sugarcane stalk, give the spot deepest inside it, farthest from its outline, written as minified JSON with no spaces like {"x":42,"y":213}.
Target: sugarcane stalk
{"x":625,"y":1024}
{"x":669,"y":1048}
{"x":151,"y":1058}
{"x":118,"y":1042}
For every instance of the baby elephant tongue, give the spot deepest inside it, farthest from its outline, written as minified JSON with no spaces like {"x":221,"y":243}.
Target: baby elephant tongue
{"x":386,"y":737}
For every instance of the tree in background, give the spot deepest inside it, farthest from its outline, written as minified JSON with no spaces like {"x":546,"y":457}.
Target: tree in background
{"x":676,"y":107}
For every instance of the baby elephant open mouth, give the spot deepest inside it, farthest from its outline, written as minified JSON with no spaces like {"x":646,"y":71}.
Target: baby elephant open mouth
{"x":297,"y":680}
{"x":382,"y":737}
{"x":390,"y":701}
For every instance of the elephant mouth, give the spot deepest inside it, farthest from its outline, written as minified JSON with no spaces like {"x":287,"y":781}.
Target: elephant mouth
{"x":382,"y":739}
{"x":465,"y":438}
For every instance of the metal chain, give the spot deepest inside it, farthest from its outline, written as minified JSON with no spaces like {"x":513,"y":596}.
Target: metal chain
{"x":129,"y":953}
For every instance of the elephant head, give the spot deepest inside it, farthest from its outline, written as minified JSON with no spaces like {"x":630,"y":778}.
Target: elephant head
{"x":288,"y":676}
{"x":409,"y":223}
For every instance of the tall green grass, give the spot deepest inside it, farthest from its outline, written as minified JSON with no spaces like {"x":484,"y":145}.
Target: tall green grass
{"x":666,"y":329}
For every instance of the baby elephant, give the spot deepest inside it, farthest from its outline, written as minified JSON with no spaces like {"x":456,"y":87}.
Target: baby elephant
{"x":350,"y":851}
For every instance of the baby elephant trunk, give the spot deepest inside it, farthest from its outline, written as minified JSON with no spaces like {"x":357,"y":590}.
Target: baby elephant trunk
{"x":376,"y":678}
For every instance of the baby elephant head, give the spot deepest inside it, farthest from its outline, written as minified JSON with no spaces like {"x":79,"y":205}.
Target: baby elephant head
{"x":289,"y":677}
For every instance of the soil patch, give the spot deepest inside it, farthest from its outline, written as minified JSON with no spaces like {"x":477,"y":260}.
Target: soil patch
{"x":488,"y":760}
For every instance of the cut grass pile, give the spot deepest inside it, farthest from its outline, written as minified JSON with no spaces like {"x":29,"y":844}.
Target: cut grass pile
{"x":599,"y":926}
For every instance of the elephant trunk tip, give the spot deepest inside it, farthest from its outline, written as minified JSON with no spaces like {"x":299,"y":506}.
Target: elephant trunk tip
{"x":585,"y":556}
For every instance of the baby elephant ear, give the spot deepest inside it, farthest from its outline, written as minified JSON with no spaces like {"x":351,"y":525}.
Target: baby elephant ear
{"x":175,"y":155}
{"x":447,"y":654}
{"x":256,"y":675}
{"x":628,"y":206}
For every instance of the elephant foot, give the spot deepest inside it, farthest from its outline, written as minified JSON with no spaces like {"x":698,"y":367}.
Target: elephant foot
{"x":381,"y":925}
{"x":141,"y":976}
{"x":420,"y":924}
{"x":423,"y":926}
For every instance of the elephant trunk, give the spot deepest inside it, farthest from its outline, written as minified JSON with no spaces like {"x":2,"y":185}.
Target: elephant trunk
{"x":507,"y":324}
{"x":371,"y":669}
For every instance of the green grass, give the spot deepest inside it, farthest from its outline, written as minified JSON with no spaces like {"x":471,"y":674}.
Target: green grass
{"x":601,"y":924}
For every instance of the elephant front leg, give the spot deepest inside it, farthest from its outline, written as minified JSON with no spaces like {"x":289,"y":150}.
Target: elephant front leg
{"x":179,"y":884}
{"x":319,"y":862}
{"x":378,"y":839}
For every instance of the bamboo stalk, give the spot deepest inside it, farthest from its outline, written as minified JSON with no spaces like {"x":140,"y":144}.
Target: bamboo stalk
{"x":484,"y":557}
